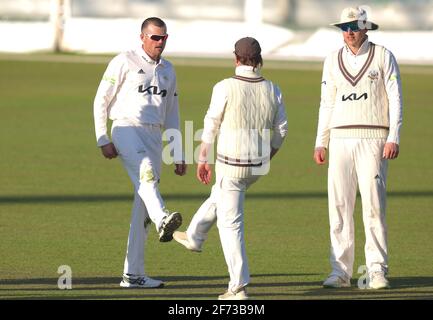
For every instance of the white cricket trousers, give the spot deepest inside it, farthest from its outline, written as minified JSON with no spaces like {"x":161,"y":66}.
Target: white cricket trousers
{"x":140,"y":150}
{"x":225,"y":206}
{"x":352,"y":162}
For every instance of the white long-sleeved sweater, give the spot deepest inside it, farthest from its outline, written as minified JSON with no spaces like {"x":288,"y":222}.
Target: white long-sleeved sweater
{"x":244,"y":110}
{"x":362,"y":90}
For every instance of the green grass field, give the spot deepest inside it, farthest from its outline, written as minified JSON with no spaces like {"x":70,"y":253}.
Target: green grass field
{"x":61,"y":203}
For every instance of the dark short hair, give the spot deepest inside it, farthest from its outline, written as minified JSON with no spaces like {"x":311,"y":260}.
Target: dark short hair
{"x":248,"y":52}
{"x":251,"y":61}
{"x":154,"y":21}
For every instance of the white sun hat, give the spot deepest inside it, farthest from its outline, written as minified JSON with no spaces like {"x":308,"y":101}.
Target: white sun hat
{"x":350,"y":15}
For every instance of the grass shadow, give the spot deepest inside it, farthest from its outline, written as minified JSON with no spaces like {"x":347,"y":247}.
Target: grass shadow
{"x":25,"y":199}
{"x":401,"y":288}
{"x":207,"y":287}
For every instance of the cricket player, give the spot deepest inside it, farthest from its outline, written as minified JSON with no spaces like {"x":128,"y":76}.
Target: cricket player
{"x":360,"y":118}
{"x":138,"y":92}
{"x":243,"y":110}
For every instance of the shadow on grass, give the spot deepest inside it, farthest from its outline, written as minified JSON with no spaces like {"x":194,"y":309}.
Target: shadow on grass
{"x":24,"y":199}
{"x":411,"y":282}
{"x":186,"y":285}
{"x":100,"y":280}
{"x":116,"y":280}
{"x":401,"y":288}
{"x":201,"y":287}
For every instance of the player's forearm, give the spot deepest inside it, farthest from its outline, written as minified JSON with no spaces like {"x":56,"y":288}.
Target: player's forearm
{"x":172,"y":117}
{"x":278,"y":138}
{"x":100,"y":116}
{"x":280,"y":126}
{"x":174,"y":134}
{"x":203,"y":156}
{"x":395,"y":100}
{"x":327,"y":102}
{"x":323,"y":130}
{"x":210,"y":129}
{"x":215,"y":112}
{"x":105,"y":94}
{"x":273,"y":152}
{"x":395,"y":123}
{"x":172,"y":120}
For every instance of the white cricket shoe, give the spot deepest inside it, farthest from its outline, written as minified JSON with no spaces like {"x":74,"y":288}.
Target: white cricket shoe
{"x":182,"y":238}
{"x":334,"y":281}
{"x":378,"y":281}
{"x":241,"y":294}
{"x":130,"y":281}
{"x":169,"y":225}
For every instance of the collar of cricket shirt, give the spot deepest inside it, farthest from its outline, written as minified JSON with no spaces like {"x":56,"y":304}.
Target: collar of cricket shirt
{"x":248,"y":71}
{"x":362,"y":49}
{"x":148,"y":59}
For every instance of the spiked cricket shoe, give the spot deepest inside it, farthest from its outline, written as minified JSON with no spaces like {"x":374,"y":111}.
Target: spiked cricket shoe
{"x":169,"y":225}
{"x":129,"y":281}
{"x":334,"y":281}
{"x":241,"y":294}
{"x":378,"y":281}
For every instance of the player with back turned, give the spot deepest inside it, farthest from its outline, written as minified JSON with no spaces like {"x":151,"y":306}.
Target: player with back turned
{"x":242,"y":112}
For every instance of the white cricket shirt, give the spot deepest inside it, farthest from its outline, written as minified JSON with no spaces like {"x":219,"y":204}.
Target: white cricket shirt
{"x":138,"y":89}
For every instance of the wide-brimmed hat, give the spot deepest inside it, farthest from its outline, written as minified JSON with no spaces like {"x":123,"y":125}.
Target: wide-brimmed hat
{"x":351,"y":15}
{"x":247,"y":47}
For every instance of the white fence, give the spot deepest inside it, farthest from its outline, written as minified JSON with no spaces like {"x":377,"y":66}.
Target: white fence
{"x":286,"y":29}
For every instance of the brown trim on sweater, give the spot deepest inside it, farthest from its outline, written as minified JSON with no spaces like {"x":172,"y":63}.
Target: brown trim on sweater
{"x":237,"y":162}
{"x":361,"y":126}
{"x":260,"y":79}
{"x":355,"y":79}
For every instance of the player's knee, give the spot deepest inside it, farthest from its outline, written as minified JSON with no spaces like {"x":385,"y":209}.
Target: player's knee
{"x":147,"y":175}
{"x":229,"y":224}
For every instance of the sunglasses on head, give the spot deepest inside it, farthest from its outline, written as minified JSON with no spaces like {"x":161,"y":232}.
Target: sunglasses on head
{"x":157,"y":37}
{"x":353,"y":26}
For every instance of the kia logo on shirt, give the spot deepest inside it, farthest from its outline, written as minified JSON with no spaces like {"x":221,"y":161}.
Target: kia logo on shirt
{"x":152,"y":90}
{"x":353,"y":96}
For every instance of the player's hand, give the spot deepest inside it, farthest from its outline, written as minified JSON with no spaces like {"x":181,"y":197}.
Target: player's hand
{"x":391,"y":150}
{"x":180,"y":168}
{"x":109,"y":151}
{"x":204,"y":173}
{"x":319,"y":155}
